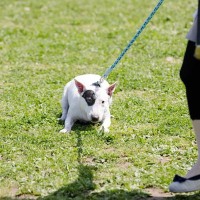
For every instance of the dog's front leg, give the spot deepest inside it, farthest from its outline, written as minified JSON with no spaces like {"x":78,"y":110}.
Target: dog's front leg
{"x":69,"y":122}
{"x":106,"y":123}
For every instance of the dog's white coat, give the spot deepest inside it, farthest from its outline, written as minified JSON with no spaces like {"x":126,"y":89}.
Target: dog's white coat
{"x":75,"y":107}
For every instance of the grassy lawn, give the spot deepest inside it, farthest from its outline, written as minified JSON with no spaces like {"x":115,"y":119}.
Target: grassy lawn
{"x":43,"y":45}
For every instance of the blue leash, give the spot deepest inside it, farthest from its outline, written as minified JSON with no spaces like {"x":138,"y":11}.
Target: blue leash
{"x":108,"y":71}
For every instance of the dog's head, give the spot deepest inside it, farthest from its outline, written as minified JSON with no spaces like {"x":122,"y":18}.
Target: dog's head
{"x":96,"y":100}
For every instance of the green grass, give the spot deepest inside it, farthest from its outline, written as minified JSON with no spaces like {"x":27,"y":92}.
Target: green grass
{"x":43,"y":45}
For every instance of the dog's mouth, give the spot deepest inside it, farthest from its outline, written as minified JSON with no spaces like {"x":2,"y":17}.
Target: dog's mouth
{"x":94,"y":119}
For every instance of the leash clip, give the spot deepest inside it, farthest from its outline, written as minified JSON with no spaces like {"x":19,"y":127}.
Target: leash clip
{"x":98,"y":83}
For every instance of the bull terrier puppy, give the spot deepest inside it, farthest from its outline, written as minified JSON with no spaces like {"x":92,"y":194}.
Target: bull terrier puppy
{"x":84,"y":99}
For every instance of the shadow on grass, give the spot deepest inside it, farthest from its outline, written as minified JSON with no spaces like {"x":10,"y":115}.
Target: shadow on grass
{"x":78,"y":125}
{"x":83,"y":188}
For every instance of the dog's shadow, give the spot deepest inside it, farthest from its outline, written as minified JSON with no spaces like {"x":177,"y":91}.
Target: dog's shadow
{"x":80,"y":125}
{"x":84,"y":186}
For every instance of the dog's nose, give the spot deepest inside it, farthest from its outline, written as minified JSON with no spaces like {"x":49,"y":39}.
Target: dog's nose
{"x":95,"y":118}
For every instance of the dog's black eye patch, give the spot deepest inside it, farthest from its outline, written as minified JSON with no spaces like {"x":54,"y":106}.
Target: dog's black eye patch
{"x":89,"y":97}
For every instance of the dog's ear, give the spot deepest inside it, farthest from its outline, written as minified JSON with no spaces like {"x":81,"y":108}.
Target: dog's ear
{"x":79,"y":86}
{"x":111,"y":89}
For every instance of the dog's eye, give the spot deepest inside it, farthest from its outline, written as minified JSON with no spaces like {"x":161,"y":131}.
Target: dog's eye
{"x":103,"y":102}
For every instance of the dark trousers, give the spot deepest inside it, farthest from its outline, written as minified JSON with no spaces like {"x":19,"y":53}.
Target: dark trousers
{"x":190,"y":75}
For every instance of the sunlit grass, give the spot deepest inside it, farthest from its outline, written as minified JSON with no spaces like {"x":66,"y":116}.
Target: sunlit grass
{"x":43,"y":45}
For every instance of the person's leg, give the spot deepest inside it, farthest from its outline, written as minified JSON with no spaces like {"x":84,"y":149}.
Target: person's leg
{"x":190,"y":75}
{"x":195,"y":170}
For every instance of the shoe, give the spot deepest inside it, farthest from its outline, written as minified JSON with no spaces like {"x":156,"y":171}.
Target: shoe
{"x":181,"y":184}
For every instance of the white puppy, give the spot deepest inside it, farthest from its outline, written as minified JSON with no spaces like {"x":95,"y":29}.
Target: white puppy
{"x":84,"y":99}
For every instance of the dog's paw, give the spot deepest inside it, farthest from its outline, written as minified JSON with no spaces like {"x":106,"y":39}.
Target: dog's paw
{"x":64,"y":131}
{"x":104,"y":129}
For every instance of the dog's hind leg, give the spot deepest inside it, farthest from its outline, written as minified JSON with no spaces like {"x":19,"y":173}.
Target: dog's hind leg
{"x":65,"y":104}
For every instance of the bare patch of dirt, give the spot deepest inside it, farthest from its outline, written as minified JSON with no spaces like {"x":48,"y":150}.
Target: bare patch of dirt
{"x":124,"y":165}
{"x":27,"y":197}
{"x":158,"y":194}
{"x":164,"y":160}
